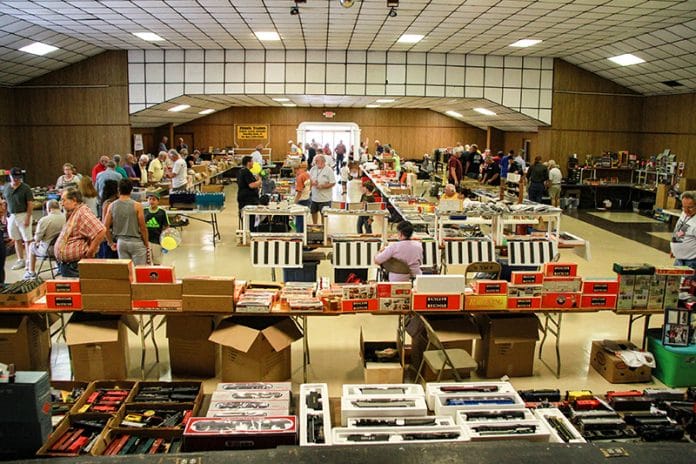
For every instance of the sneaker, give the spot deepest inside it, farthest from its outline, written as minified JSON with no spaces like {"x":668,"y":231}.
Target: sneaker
{"x":29,"y":275}
{"x":20,"y":264}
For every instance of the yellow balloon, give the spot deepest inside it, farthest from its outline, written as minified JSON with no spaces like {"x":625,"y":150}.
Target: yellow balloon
{"x":168,"y":243}
{"x":255,"y":168}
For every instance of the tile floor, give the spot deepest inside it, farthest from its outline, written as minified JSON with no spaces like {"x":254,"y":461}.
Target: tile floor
{"x":334,"y":341}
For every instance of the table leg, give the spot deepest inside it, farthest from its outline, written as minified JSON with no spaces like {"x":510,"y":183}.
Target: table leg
{"x":142,"y":346}
{"x":216,"y":229}
{"x":552,"y":325}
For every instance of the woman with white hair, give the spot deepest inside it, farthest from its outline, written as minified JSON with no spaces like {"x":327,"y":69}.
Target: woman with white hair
{"x":555,"y":178}
{"x":142,"y":166}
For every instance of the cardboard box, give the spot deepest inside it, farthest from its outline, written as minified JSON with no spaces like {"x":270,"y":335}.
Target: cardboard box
{"x":237,"y":386}
{"x":306,"y":409}
{"x":25,"y":341}
{"x":507,"y":344}
{"x":356,"y":306}
{"x":210,"y":434}
{"x":641,"y":291}
{"x":99,"y":444}
{"x":672,"y":286}
{"x":155,"y":274}
{"x":614,"y":369}
{"x":105,"y":287}
{"x":560,"y":269}
{"x":99,"y":345}
{"x":598,"y":301}
{"x":656,"y":294}
{"x":208,"y":285}
{"x":394,"y":290}
{"x":12,"y":300}
{"x":524,"y":290}
{"x":170,"y":306}
{"x":437,"y":301}
{"x":625,"y":300}
{"x":395,"y":304}
{"x":474,"y":302}
{"x":490,"y":287}
{"x":26,"y":414}
{"x":562,"y":284}
{"x":64,"y":300}
{"x":526,"y":278}
{"x":63,"y":286}
{"x":105,"y":303}
{"x":190,"y":351}
{"x":81,"y":402}
{"x":439,"y":283}
{"x":375,"y":370}
{"x":524,"y":302}
{"x":560,"y":300}
{"x":156,"y":291}
{"x":594,"y":286}
{"x":208,"y":304}
{"x":255,"y":348}
{"x":116,"y":269}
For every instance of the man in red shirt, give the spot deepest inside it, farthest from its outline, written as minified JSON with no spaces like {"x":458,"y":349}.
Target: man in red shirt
{"x":454,"y":170}
{"x":81,"y":234}
{"x":99,"y":167}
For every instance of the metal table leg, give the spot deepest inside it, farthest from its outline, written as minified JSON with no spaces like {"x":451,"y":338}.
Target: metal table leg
{"x":646,"y":325}
{"x":147,"y":328}
{"x":552,"y":325}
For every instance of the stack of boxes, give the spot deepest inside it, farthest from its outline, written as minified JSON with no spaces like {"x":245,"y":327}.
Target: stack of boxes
{"x":257,"y":399}
{"x":525,"y":289}
{"x":208,"y":294}
{"x":599,"y":293}
{"x":646,"y":287}
{"x":359,"y":298}
{"x":438,"y":293}
{"x":156,"y":288}
{"x":561,"y":286}
{"x":394,"y":296}
{"x":487,"y":295}
{"x":106,"y":284}
{"x":63,"y":294}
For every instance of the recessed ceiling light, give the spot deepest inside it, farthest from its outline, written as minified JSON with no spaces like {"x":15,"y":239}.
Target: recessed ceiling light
{"x":485,"y":111}
{"x":289,"y":105}
{"x":454,"y":114}
{"x":208,"y":111}
{"x":371,"y":106}
{"x":281,"y":99}
{"x":178,"y":108}
{"x":385,"y":100}
{"x":410,"y":38}
{"x":38,"y":48}
{"x":626,"y":60}
{"x":525,"y":43}
{"x":267,"y":36}
{"x":149,"y":36}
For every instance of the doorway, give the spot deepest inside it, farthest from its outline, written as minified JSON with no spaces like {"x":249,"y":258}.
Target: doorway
{"x":331,"y":133}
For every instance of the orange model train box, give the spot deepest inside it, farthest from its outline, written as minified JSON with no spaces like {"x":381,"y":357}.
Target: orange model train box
{"x":490,"y":287}
{"x":524,"y":302}
{"x":63,"y":286}
{"x":437,"y":301}
{"x":473,"y":302}
{"x":560,"y":269}
{"x":562,"y":284}
{"x":594,"y":286}
{"x":598,"y":301}
{"x":560,"y":300}
{"x":526,"y":278}
{"x":155,"y":274}
{"x":64,"y":300}
{"x":394,"y":289}
{"x":359,"y":305}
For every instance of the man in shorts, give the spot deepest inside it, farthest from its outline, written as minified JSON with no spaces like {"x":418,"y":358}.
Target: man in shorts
{"x":323,"y":179}
{"x":20,"y":203}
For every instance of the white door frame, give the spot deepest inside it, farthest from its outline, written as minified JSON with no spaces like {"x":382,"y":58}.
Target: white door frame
{"x":333,"y":126}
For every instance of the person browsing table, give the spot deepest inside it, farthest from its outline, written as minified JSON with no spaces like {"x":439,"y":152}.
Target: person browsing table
{"x":402,"y":259}
{"x":683,"y":244}
{"x":323,"y":180}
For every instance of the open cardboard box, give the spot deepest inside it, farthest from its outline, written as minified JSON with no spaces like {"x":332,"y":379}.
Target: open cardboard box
{"x":507,"y":344}
{"x":25,"y":341}
{"x":255,"y":348}
{"x":190,"y":351}
{"x":99,"y":345}
{"x":375,"y":370}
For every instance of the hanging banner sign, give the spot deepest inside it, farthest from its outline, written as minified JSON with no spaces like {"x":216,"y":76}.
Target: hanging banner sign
{"x":250,"y":132}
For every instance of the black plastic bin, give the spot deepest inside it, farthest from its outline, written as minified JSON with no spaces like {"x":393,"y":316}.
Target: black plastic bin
{"x":306,"y":273}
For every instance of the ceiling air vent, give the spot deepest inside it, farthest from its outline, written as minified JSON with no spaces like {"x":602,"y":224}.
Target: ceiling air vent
{"x":673,"y":84}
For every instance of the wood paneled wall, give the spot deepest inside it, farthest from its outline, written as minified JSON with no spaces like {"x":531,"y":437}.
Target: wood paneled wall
{"x":412,"y":132}
{"x":72,"y":115}
{"x":6,"y":132}
{"x":670,"y":122}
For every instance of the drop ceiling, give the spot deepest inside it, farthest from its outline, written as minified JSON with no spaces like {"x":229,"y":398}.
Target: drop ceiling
{"x":583,"y":32}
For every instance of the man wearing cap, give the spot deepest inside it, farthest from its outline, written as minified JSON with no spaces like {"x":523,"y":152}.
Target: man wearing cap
{"x":20,"y":203}
{"x":156,"y":221}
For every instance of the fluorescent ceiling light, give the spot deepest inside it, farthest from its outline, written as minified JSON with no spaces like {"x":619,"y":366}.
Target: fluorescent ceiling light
{"x":525,"y":43}
{"x":267,"y":36}
{"x":626,"y":60}
{"x":485,"y":111}
{"x":385,"y":100}
{"x":281,"y":99}
{"x":289,"y":105}
{"x":38,"y":48}
{"x":178,"y":108}
{"x":208,"y":111}
{"x":410,"y":38}
{"x":371,"y":106}
{"x":149,"y":36}
{"x":454,"y":114}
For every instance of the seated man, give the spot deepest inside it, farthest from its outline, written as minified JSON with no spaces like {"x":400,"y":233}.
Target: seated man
{"x":80,"y":236}
{"x":47,"y":229}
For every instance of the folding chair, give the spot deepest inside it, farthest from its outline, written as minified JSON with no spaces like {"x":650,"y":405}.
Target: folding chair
{"x":439,"y":360}
{"x":51,"y":258}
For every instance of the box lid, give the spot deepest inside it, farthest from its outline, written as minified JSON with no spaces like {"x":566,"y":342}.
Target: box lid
{"x":189,"y":327}
{"x":83,"y":328}
{"x":11,"y":324}
{"x":241,"y":333}
{"x":454,"y":329}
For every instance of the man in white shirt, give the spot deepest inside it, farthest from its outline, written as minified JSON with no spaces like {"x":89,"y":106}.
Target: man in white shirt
{"x":256,"y":157}
{"x":683,"y":243}
{"x":156,"y":168}
{"x":323,"y":179}
{"x":178,"y":172}
{"x":555,"y":179}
